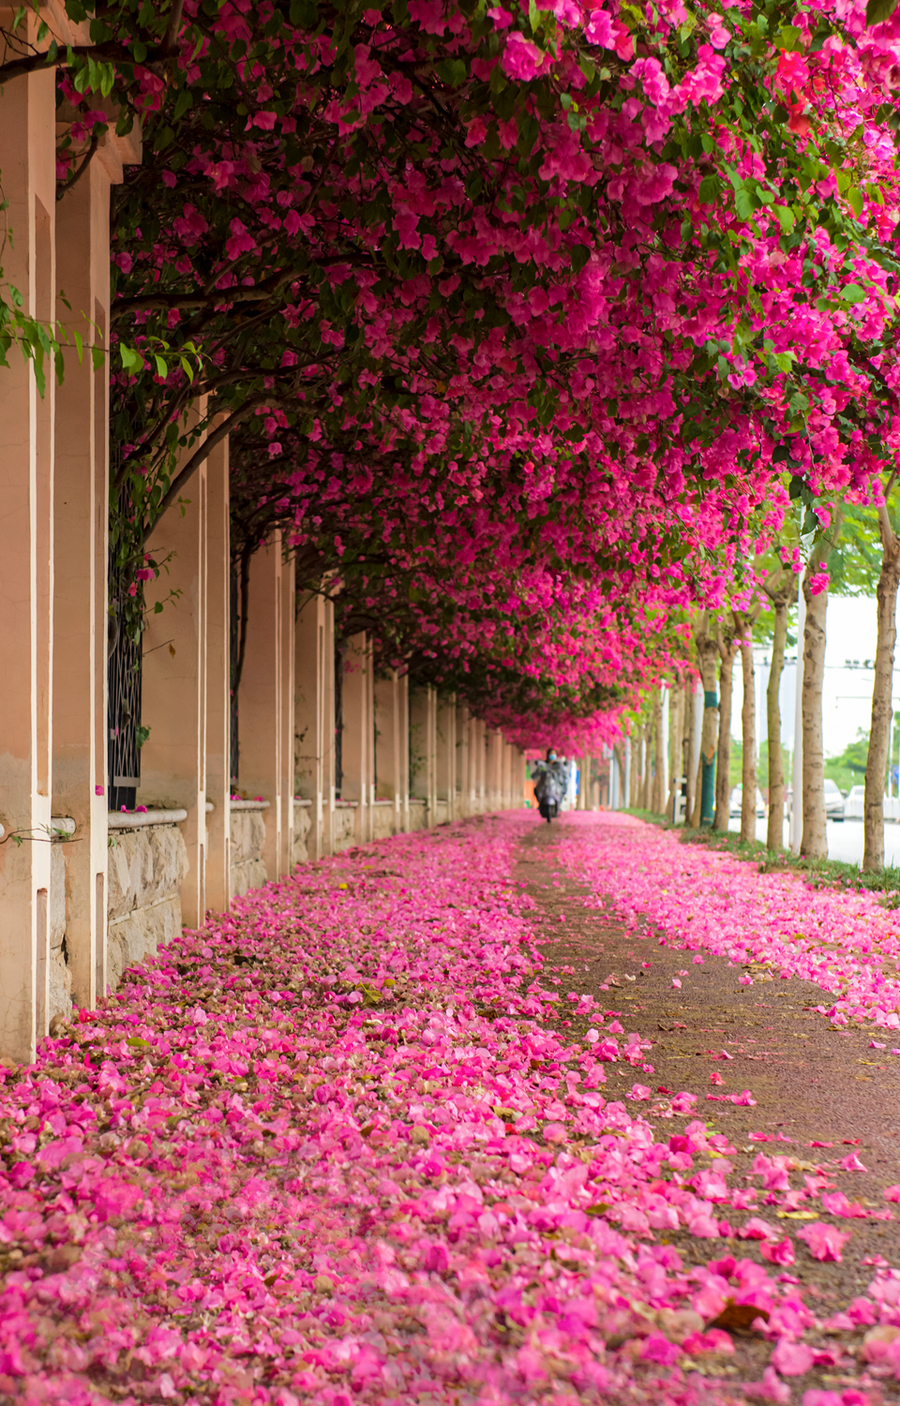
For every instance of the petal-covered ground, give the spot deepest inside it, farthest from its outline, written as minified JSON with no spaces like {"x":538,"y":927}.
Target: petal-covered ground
{"x":847,"y":943}
{"x":347,"y":1145}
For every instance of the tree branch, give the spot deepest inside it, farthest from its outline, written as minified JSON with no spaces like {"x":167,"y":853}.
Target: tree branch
{"x":89,"y":155}
{"x":211,"y":442}
{"x":173,"y":27}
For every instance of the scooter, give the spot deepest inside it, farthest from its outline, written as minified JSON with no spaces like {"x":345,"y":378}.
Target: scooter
{"x":548,"y":809}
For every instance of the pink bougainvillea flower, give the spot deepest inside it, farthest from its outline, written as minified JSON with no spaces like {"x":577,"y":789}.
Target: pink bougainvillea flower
{"x":824,"y":1242}
{"x":781,"y":1253}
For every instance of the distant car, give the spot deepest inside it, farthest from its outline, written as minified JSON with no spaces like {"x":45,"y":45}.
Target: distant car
{"x":834,"y":801}
{"x":734,"y":804}
{"x":854,"y":805}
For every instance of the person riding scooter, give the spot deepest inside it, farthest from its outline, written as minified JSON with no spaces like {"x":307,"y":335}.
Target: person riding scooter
{"x":550,"y":779}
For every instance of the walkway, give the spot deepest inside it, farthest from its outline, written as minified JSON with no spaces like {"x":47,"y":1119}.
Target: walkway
{"x":365,"y":1142}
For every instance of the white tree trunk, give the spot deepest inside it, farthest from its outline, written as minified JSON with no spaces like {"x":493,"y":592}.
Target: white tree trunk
{"x":690,"y":742}
{"x":775,"y":830}
{"x":748,"y":736}
{"x":707,"y":652}
{"x":882,"y":709}
{"x":727,"y":650}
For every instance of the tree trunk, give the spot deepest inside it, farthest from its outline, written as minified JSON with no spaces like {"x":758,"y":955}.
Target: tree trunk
{"x":645,"y":767}
{"x":775,"y":830}
{"x":690,"y":731}
{"x":704,"y":804}
{"x":814,"y":842}
{"x":634,"y":770}
{"x":748,"y":736}
{"x":676,"y":732}
{"x":727,"y":650}
{"x":882,"y":711}
{"x":658,"y":801}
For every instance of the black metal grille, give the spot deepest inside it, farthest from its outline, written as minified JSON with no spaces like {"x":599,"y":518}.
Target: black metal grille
{"x":338,"y":720}
{"x":123,"y":708}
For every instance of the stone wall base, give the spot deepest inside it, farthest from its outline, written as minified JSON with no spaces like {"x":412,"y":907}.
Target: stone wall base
{"x":302,"y":827}
{"x":146,"y":869}
{"x":248,"y":838}
{"x":344,"y":828}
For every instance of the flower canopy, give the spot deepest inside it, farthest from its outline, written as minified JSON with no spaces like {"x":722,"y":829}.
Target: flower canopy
{"x":527,"y":325}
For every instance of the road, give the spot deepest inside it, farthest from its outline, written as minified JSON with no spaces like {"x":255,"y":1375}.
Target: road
{"x":845,"y":839}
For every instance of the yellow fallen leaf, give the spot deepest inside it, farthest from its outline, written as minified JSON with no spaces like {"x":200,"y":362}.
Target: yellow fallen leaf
{"x":797,"y":1215}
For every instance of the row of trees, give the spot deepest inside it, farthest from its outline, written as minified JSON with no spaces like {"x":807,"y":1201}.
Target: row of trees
{"x":857,"y":553}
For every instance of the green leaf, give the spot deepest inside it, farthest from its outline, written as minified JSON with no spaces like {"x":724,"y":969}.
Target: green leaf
{"x":785,"y":218}
{"x":137,"y":1043}
{"x":855,"y":200}
{"x":877,"y":11}
{"x":709,"y":190}
{"x":852,"y":293}
{"x":132,"y":361}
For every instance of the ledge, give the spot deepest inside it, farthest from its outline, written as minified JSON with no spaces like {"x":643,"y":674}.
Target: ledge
{"x":383,"y":803}
{"x":135,"y":819}
{"x":346,"y":805}
{"x":250,"y":805}
{"x":301,"y":801}
{"x":62,"y":824}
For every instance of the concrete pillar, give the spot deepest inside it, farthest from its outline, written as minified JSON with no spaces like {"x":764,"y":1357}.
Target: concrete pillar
{"x":314,"y":718}
{"x":81,"y":518}
{"x":27,"y":151}
{"x":493,"y":769}
{"x":477,"y":764}
{"x":263,"y":731}
{"x":357,"y":783}
{"x":173,"y":702}
{"x":445,"y":753}
{"x":403,"y":720}
{"x":392,"y":747}
{"x":287,"y":619}
{"x":218,"y":682}
{"x":423,"y":748}
{"x":506,"y":773}
{"x":463,"y":805}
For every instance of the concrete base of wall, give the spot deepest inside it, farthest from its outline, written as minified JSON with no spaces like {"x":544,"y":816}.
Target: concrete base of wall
{"x":302,"y":827}
{"x":344,"y":828}
{"x":146,"y":870}
{"x":248,"y":838}
{"x":418,"y":813}
{"x":384,"y":822}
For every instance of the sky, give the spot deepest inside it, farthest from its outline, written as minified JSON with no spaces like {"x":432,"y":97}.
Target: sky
{"x":851,"y":628}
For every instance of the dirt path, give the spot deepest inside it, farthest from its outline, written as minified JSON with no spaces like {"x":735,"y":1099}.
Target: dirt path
{"x":812,"y":1085}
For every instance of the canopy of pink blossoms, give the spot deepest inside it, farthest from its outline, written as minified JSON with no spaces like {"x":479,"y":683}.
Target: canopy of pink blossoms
{"x":523,"y":321}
